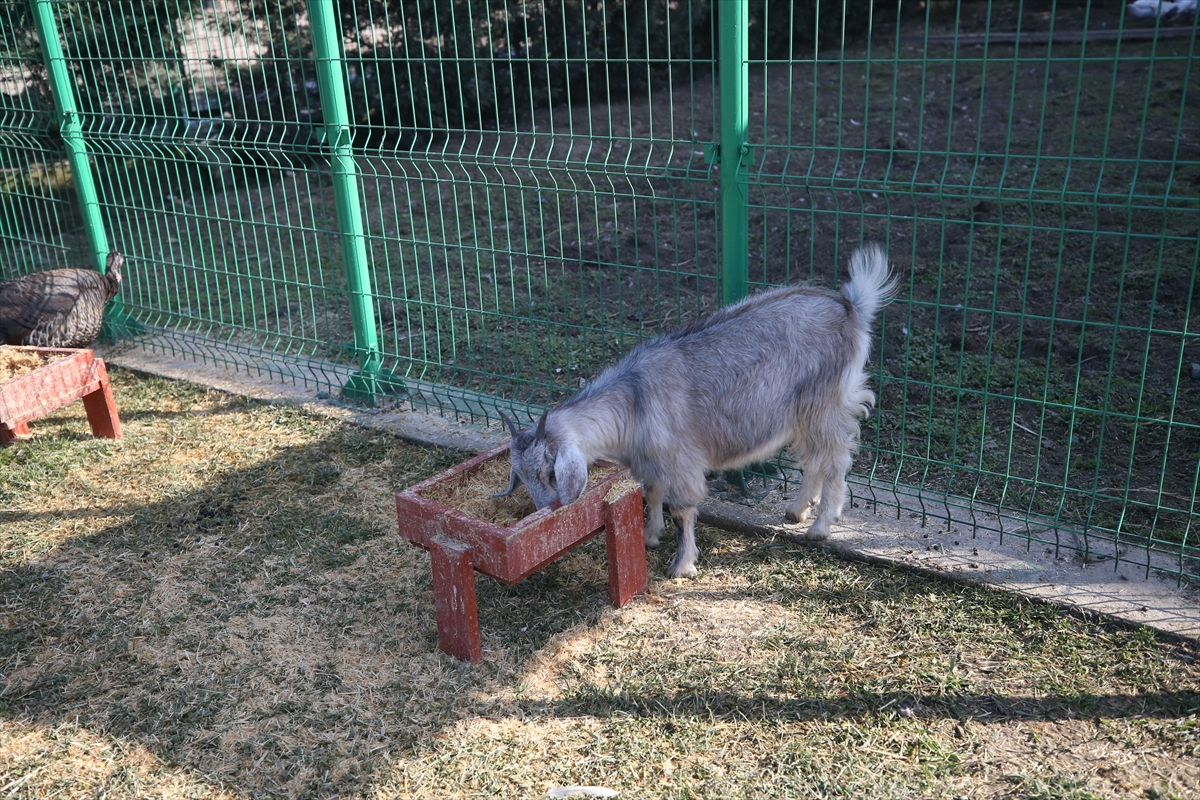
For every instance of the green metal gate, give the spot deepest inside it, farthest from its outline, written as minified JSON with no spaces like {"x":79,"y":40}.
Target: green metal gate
{"x":461,"y":204}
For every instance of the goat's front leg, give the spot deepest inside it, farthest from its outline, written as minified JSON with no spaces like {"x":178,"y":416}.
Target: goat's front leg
{"x":686,"y":553}
{"x":654,"y":508}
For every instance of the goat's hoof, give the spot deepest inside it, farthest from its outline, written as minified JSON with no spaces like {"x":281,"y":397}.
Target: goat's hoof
{"x":678,"y":570}
{"x":652,"y":542}
{"x":800,"y":515}
{"x":817,"y":532}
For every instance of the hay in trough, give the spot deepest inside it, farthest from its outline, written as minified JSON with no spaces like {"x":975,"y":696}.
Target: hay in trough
{"x":620,"y":489}
{"x":472,"y":493}
{"x":15,"y":361}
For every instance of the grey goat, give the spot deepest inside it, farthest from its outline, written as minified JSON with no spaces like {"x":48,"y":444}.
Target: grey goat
{"x":784,"y":367}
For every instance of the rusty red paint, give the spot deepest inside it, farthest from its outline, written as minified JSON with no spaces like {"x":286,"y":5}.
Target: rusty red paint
{"x":454,"y":598}
{"x":460,"y":543}
{"x":77,"y":375}
{"x":626,"y":548}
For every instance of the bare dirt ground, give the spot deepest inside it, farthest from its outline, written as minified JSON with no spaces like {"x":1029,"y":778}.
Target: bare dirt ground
{"x":218,"y":605}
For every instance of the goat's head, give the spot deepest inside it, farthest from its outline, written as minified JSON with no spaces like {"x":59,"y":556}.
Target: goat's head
{"x":551,"y":469}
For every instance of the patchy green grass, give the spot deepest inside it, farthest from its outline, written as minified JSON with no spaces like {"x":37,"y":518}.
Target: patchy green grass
{"x":218,"y":605}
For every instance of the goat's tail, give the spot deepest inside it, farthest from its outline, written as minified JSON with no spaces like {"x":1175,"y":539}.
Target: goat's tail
{"x":871,"y":286}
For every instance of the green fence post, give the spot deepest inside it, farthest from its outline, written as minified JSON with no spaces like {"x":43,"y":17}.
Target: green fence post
{"x":735,"y":157}
{"x":370,"y":380}
{"x":71,"y":129}
{"x":733,"y":67}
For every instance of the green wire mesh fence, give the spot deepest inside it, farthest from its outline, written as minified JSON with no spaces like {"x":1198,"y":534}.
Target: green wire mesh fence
{"x":462,"y":205}
{"x":1034,"y":172}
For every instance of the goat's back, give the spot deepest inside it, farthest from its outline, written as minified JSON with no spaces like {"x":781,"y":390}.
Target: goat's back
{"x":735,"y":385}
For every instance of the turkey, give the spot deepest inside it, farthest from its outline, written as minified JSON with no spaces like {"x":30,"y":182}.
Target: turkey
{"x":59,"y":307}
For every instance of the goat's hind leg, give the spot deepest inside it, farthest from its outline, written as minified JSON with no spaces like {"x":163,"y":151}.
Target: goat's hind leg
{"x":809,"y":496}
{"x":686,"y":552}
{"x":833,"y":497}
{"x":654,"y":510}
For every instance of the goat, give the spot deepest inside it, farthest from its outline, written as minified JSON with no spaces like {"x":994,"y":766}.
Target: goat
{"x":784,"y":367}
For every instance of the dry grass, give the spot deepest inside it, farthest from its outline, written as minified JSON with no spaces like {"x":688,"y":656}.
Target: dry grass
{"x":218,"y":605}
{"x":16,"y":361}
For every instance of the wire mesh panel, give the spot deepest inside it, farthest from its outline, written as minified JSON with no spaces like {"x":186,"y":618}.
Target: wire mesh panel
{"x":207,"y":151}
{"x":493,"y":200}
{"x":533,"y":179}
{"x":35,"y":178}
{"x":536,"y":194}
{"x":1034,"y":171}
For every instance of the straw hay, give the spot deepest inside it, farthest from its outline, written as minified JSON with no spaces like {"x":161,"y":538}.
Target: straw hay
{"x":67,"y":761}
{"x":16,"y":361}
{"x":472,"y":493}
{"x":620,"y":489}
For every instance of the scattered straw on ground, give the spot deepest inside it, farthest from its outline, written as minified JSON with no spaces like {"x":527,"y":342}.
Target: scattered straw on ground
{"x":16,"y":361}
{"x":473,"y":492}
{"x":67,"y":762}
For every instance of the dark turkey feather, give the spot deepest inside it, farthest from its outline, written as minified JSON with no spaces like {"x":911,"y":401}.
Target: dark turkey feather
{"x":59,"y":307}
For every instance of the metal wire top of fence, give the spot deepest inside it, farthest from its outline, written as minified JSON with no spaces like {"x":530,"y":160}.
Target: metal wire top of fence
{"x":464,"y":205}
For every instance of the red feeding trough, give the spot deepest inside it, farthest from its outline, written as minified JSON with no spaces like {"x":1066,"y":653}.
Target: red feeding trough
{"x":63,"y":377}
{"x":460,"y":542}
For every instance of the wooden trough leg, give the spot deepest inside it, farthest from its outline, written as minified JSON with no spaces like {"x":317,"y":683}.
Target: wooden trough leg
{"x":101,"y":408}
{"x":454,"y":598}
{"x":626,"y":548}
{"x":8,"y":434}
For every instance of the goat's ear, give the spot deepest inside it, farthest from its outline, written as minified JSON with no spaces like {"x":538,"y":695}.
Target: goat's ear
{"x":570,"y":472}
{"x":540,"y":433}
